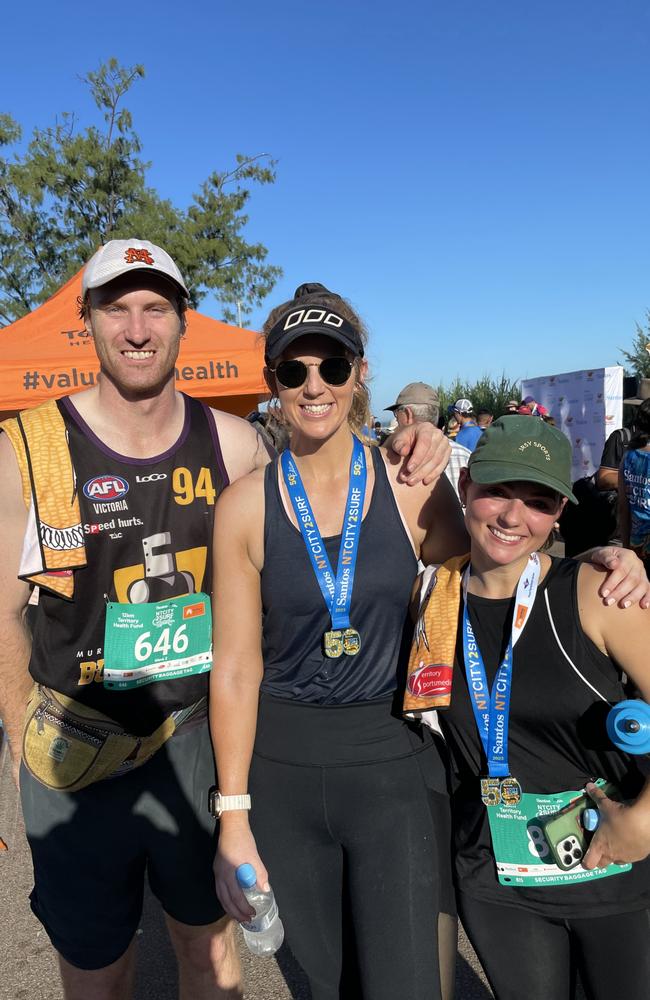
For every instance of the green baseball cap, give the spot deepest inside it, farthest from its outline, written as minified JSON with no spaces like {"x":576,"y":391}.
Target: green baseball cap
{"x":523,"y":449}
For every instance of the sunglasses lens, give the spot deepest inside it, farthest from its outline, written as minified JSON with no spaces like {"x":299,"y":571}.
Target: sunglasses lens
{"x":291,"y":374}
{"x":335,"y":371}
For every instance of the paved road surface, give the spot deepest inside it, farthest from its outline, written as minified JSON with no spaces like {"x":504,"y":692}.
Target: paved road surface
{"x":27,"y":966}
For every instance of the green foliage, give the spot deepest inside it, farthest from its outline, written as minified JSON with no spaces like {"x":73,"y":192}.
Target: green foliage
{"x":637,"y":360}
{"x":73,"y":190}
{"x":487,"y":394}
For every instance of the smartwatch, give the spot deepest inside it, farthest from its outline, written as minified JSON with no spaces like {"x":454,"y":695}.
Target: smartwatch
{"x":218,"y":803}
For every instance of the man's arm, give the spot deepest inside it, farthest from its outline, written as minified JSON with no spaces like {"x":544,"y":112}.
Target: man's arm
{"x":243,"y":449}
{"x":15,"y":641}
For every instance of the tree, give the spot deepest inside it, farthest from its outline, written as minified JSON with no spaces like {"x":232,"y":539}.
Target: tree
{"x":637,"y":361}
{"x":487,"y":394}
{"x":73,"y":190}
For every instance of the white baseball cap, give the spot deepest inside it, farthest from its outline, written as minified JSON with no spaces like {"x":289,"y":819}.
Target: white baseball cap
{"x":463,"y":406}
{"x":118,"y":257}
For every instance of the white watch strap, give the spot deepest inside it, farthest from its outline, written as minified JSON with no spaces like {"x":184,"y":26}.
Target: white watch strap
{"x":229,"y":802}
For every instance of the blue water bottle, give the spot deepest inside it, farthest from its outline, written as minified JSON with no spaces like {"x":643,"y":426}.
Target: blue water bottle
{"x":628,"y":726}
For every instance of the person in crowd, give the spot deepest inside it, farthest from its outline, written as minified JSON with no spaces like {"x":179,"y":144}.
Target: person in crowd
{"x":349,"y":815}
{"x":453,"y":425}
{"x":535,"y":659}
{"x":484,"y":418}
{"x":634,"y":488}
{"x":416,"y":403}
{"x":107,"y":502}
{"x":469,"y":433}
{"x":420,"y":403}
{"x":536,"y":409}
{"x":512,"y":406}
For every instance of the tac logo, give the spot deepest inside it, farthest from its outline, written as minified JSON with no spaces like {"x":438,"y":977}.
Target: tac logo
{"x":106,"y":488}
{"x":300,"y":316}
{"x":136,"y":256}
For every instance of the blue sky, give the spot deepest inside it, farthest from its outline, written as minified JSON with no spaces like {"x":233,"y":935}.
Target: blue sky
{"x":473,"y":176}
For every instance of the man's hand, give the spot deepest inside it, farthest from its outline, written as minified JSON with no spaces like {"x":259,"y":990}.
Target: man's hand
{"x":626,"y":582}
{"x":425,"y":450}
{"x":623,"y":834}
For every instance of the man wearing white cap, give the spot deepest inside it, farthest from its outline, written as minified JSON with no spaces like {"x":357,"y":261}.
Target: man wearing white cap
{"x":469,"y":433}
{"x":107,"y":508}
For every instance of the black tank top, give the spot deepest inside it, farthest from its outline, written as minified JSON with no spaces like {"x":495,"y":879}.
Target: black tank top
{"x":147,"y":527}
{"x":557,"y":741}
{"x":295,"y":616}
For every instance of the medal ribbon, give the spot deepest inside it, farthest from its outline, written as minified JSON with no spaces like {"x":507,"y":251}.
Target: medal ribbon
{"x":337,"y":592}
{"x":492,"y":709}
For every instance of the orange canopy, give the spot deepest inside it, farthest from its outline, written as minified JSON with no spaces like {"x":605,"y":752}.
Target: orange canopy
{"x":46,"y":354}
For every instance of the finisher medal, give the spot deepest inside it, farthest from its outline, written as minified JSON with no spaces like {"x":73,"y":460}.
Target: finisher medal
{"x":333,"y":643}
{"x":490,"y":791}
{"x":341,"y":639}
{"x":510,"y":791}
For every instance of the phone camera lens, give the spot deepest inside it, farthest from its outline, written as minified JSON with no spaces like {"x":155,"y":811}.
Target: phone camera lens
{"x":577,"y":853}
{"x":566,"y":845}
{"x":568,"y":860}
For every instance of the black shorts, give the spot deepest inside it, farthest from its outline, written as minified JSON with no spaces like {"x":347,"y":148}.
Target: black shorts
{"x":91,"y":850}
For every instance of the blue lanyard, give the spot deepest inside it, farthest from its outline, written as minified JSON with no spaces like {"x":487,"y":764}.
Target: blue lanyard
{"x":492,"y":708}
{"x":337,"y":592}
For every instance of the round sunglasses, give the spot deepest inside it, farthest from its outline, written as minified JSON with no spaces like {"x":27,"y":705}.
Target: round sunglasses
{"x":333,"y":371}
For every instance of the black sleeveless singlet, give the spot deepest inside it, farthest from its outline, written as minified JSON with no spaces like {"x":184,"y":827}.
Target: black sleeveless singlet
{"x":147,"y":527}
{"x":557,"y":741}
{"x":295,"y":616}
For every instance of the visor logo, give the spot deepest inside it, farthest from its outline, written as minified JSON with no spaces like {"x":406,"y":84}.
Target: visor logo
{"x":301,"y":316}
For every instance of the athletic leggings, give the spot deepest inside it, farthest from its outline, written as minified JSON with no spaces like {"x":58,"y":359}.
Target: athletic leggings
{"x":358,"y":854}
{"x":528,"y":955}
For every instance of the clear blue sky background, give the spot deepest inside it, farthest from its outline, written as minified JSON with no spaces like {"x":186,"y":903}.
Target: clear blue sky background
{"x":473,"y":176}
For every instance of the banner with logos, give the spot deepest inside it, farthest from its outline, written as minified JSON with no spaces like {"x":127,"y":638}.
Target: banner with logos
{"x":586,"y":405}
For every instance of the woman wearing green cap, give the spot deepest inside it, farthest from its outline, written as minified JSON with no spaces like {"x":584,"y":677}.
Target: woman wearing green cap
{"x":537,"y":661}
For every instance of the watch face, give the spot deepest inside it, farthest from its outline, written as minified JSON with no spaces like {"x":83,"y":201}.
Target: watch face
{"x":214,"y":803}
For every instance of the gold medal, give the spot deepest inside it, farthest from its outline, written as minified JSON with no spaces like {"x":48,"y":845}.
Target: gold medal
{"x":333,"y":643}
{"x":338,"y":641}
{"x":510,"y":791}
{"x":491,"y":791}
{"x":351,"y":641}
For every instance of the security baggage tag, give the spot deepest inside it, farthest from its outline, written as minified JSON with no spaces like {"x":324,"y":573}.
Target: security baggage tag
{"x":144,"y":643}
{"x":520,"y":847}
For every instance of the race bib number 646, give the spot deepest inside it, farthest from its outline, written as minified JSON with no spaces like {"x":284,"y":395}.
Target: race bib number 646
{"x":144,"y":643}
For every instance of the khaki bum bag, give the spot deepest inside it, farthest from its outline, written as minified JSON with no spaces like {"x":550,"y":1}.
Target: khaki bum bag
{"x":67,"y":745}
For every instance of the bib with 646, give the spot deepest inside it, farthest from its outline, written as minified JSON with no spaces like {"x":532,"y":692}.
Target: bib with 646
{"x":144,"y":643}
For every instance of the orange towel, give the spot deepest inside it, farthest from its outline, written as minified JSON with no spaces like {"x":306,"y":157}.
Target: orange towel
{"x":431,"y":661}
{"x":54,"y":542}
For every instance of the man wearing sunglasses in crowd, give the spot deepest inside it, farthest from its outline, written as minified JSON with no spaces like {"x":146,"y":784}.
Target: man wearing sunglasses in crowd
{"x":108,"y":503}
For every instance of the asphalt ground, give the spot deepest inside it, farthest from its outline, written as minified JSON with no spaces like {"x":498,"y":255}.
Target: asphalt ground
{"x":28,"y":969}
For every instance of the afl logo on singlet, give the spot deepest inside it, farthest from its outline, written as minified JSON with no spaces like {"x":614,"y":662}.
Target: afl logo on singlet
{"x":106,"y":488}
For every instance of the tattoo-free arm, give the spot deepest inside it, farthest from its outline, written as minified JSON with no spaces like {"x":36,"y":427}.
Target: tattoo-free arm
{"x":15,"y":641}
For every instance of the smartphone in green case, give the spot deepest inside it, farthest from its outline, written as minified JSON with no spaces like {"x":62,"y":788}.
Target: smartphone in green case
{"x":564,"y":832}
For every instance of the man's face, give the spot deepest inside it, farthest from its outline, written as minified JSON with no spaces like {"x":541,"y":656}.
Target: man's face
{"x":136,"y":325}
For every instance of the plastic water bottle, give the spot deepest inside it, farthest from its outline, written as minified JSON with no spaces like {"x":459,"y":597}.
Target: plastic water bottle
{"x":264,"y":933}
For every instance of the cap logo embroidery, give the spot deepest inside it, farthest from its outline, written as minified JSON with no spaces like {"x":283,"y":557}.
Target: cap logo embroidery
{"x":536,"y":444}
{"x":136,"y":256}
{"x":301,"y":316}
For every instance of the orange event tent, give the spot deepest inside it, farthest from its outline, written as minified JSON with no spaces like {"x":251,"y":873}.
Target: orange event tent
{"x":46,"y":354}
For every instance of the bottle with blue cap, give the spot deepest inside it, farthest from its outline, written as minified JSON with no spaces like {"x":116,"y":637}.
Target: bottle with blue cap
{"x":264,"y":933}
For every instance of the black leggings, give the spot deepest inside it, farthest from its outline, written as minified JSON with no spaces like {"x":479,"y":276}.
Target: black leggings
{"x":528,"y":955}
{"x":358,"y":854}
